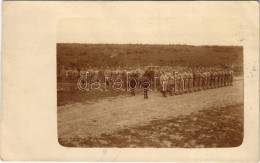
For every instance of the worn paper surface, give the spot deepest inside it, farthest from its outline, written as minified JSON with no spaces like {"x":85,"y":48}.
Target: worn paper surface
{"x":29,"y":98}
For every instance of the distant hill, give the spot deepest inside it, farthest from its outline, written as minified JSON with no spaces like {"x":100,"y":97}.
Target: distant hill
{"x":102,"y":55}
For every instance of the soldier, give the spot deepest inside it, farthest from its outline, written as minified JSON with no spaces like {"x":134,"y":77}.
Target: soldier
{"x":186,"y":81}
{"x":164,"y":83}
{"x":145,"y":83}
{"x":216,"y":78}
{"x":219,"y":78}
{"x":226,"y":78}
{"x":181,"y":82}
{"x":171,"y":83}
{"x":69,"y":77}
{"x":190,"y":78}
{"x":133,"y":81}
{"x":231,"y":77}
{"x":212,"y":79}
{"x":124,"y":77}
{"x":222,"y":78}
{"x":75,"y":75}
{"x":204,"y":80}
{"x":63,"y":75}
{"x":196,"y":79}
{"x":200,"y":75}
{"x":82,"y":73}
{"x":209,"y":79}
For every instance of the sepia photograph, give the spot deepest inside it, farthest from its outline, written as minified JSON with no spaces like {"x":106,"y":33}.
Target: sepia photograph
{"x":130,"y":81}
{"x":150,"y":83}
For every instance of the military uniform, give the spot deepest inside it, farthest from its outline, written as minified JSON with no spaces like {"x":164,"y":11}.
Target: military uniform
{"x":200,"y":75}
{"x":231,"y":77}
{"x":145,"y":82}
{"x":219,"y":78}
{"x":190,"y":78}
{"x":63,"y":75}
{"x":164,"y":83}
{"x":186,"y":82}
{"x":213,"y":79}
{"x":69,"y":74}
{"x":222,"y":78}
{"x":181,"y":83}
{"x":226,"y":78}
{"x":196,"y":81}
{"x":133,"y":81}
{"x":205,"y":80}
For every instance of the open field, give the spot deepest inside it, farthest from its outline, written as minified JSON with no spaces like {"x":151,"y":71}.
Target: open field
{"x":103,"y":55}
{"x":210,"y":118}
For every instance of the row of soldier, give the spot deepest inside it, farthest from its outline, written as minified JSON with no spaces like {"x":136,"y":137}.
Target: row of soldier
{"x":175,"y":80}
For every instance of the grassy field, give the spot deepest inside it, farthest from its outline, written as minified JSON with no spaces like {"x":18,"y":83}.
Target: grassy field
{"x":98,"y":55}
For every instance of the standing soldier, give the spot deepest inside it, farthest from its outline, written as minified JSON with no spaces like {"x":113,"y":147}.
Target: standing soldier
{"x":69,"y":74}
{"x":231,"y":77}
{"x":216,"y":78}
{"x":63,"y":75}
{"x":145,"y":83}
{"x":171,"y":83}
{"x":75,"y":75}
{"x":190,"y":78}
{"x":196,"y":79}
{"x":133,"y":82}
{"x":212,"y":79}
{"x":82,"y":74}
{"x":186,"y":81}
{"x":204,"y":79}
{"x":219,"y":77}
{"x":200,"y":80}
{"x":181,"y":81}
{"x":222,"y":78}
{"x":209,"y":78}
{"x":226,"y":78}
{"x":70,"y":78}
{"x":164,"y":83}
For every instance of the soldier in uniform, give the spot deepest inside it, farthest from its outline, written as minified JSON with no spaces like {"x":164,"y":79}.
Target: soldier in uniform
{"x":216,"y":78}
{"x":208,"y":79}
{"x":204,"y":79}
{"x":190,"y":78}
{"x":226,"y":78}
{"x":145,"y":82}
{"x":200,"y":75}
{"x":196,"y":79}
{"x":69,"y":74}
{"x":222,"y":78}
{"x":133,"y":81}
{"x":231,"y":77}
{"x":63,"y":75}
{"x":219,"y":78}
{"x":186,"y":81}
{"x":181,"y":82}
{"x":212,"y":79}
{"x":164,"y":83}
{"x":171,"y":83}
{"x":75,"y":75}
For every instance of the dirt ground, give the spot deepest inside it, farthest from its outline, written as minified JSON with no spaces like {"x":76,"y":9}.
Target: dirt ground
{"x":209,"y":118}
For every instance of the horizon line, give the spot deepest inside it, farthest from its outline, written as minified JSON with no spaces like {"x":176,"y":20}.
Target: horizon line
{"x":141,"y":44}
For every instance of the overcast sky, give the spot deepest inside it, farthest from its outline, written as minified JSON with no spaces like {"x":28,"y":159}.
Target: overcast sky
{"x":150,"y":30}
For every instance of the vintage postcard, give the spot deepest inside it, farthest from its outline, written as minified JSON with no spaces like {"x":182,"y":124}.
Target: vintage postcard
{"x":130,"y":81}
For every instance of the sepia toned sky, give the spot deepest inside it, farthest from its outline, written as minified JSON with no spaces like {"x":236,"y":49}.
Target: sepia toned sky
{"x":206,"y":30}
